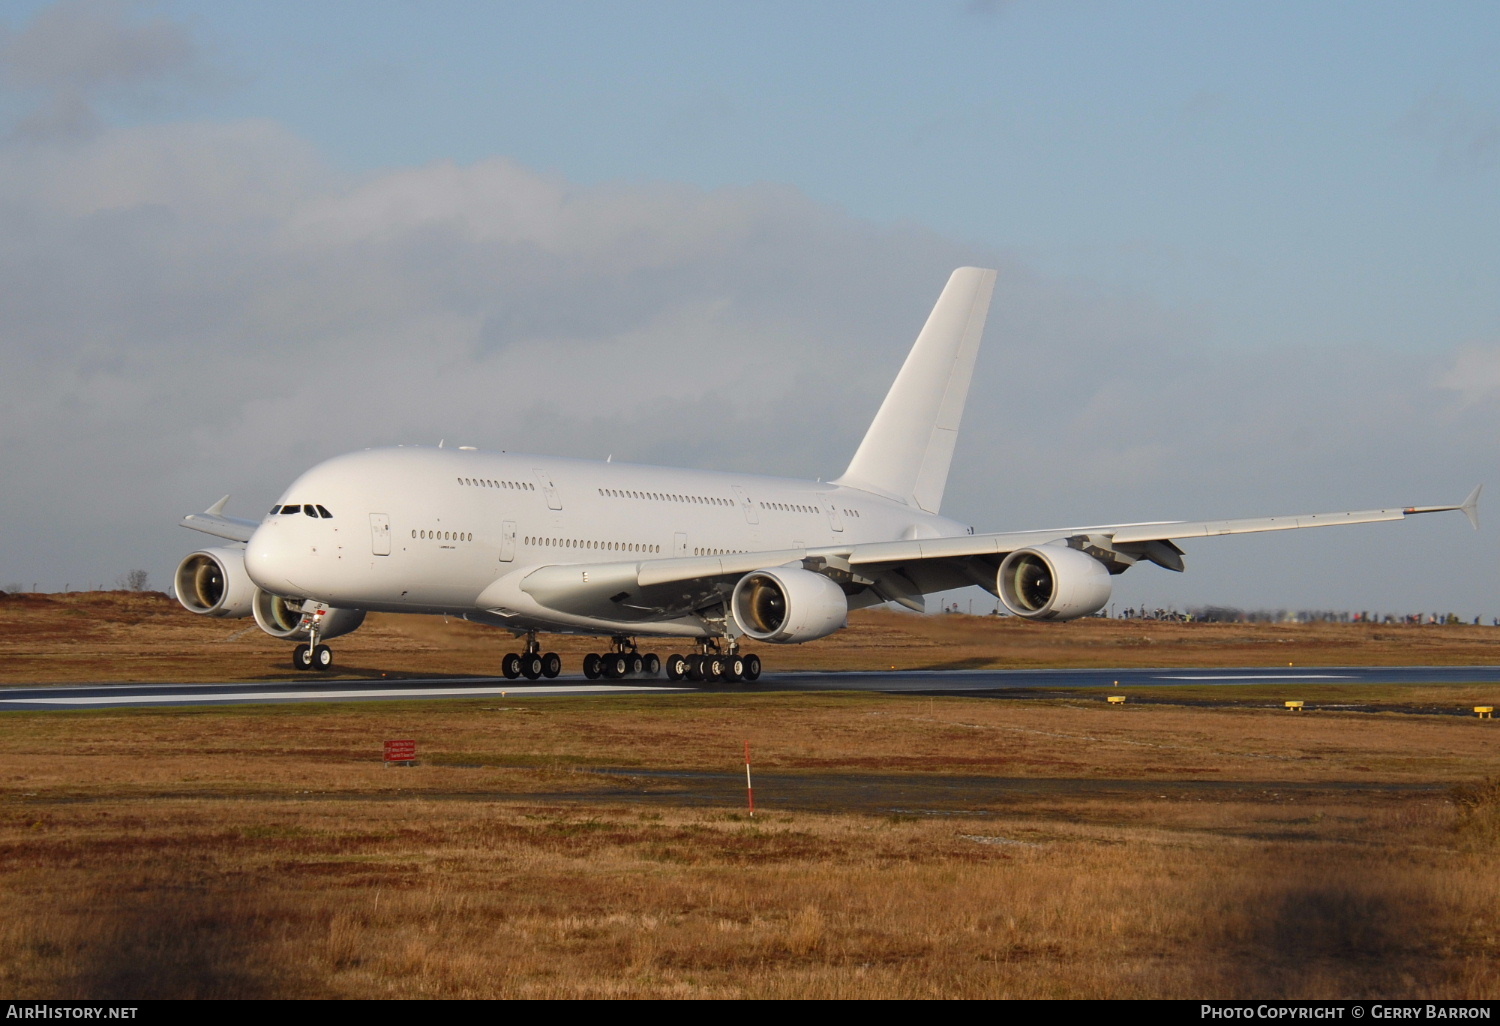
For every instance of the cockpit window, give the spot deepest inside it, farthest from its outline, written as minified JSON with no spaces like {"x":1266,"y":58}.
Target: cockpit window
{"x":275,"y":510}
{"x":290,"y":509}
{"x":310,"y":511}
{"x":324,"y":511}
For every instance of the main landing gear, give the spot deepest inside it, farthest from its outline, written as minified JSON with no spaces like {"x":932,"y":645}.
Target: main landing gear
{"x":532,"y":663}
{"x":623,"y":661}
{"x":711,"y":666}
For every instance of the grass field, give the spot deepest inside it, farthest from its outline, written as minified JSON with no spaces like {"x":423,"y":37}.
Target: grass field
{"x":902,"y":847}
{"x":1193,"y":843}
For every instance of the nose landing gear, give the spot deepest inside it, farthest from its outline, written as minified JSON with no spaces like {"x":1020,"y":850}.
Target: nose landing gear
{"x":312,"y":655}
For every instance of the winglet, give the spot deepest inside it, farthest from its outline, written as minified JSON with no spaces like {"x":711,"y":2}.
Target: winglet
{"x":1469,"y":507}
{"x":217,"y":509}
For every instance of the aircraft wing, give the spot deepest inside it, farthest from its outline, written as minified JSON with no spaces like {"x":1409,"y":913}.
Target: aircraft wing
{"x":904,"y":571}
{"x":213,"y":521}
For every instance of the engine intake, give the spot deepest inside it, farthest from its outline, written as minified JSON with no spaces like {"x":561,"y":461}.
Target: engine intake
{"x":213,"y":582}
{"x":787,"y":605}
{"x":282,"y":617}
{"x":1053,"y":582}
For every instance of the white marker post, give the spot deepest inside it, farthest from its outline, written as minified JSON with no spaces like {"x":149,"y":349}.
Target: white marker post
{"x":749,"y":788}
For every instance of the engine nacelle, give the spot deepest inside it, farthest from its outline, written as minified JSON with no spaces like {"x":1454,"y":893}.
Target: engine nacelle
{"x":282,"y":617}
{"x":1053,"y":582}
{"x":213,"y":582}
{"x":788,"y":605}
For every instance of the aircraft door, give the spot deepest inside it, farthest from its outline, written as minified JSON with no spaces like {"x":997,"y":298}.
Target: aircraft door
{"x":679,"y":543}
{"x":507,"y":541}
{"x":745,"y":504}
{"x":835,"y":518}
{"x":549,"y":489}
{"x":380,"y":534}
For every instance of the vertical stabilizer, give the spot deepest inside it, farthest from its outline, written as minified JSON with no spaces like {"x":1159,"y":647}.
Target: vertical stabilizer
{"x":908,"y":448}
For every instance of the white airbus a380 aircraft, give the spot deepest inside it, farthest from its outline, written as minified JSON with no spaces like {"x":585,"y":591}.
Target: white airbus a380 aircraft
{"x":537,"y":544}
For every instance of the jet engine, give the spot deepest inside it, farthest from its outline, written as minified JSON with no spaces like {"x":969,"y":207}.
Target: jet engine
{"x":788,"y":605}
{"x":213,"y":582}
{"x":1053,"y":582}
{"x":282,"y":617}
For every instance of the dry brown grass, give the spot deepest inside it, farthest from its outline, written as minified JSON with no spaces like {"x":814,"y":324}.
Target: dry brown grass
{"x":123,"y":636}
{"x":906,"y":847}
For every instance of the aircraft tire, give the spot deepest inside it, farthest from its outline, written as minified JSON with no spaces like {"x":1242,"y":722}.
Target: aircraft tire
{"x":302,"y":657}
{"x":322,"y":658}
{"x":694,"y":668}
{"x":714,"y":669}
{"x":635,"y":663}
{"x":591,"y":666}
{"x":510,"y":666}
{"x":676,"y":667}
{"x":531,"y":666}
{"x":752,"y":667}
{"x":652,"y":665}
{"x":551,"y":665}
{"x":734,"y":669}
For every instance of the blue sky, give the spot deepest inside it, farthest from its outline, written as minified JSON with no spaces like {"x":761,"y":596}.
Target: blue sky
{"x":1227,"y":219}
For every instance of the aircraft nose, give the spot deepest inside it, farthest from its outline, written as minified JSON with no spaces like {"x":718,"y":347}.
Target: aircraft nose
{"x":270,"y":559}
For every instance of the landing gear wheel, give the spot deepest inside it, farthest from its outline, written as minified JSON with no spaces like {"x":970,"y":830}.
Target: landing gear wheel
{"x":734,"y":669}
{"x":302,"y":657}
{"x":551,"y":665}
{"x":511,"y":666}
{"x":695,"y":667}
{"x":652,"y":665}
{"x":714,"y":668}
{"x":634,"y":664}
{"x":615,"y":666}
{"x":752,"y":667}
{"x":322,"y":657}
{"x":531,"y":666}
{"x":592,"y":668}
{"x":677,"y":667}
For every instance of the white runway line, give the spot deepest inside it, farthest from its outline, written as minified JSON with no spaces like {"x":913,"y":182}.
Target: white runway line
{"x":1271,"y":676}
{"x":250,"y":696}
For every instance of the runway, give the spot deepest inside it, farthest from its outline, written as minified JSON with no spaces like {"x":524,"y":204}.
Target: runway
{"x":971,"y":683}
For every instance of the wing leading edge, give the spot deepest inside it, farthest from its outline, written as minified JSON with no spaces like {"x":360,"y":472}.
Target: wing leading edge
{"x":213,"y":521}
